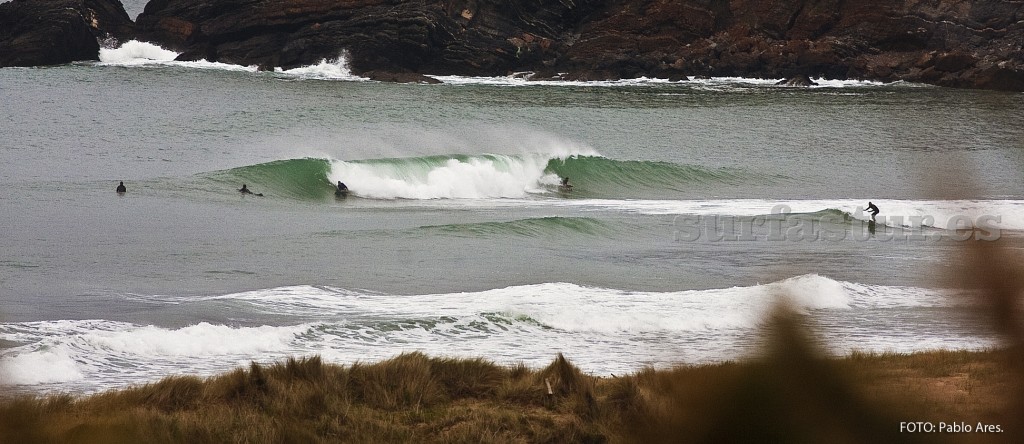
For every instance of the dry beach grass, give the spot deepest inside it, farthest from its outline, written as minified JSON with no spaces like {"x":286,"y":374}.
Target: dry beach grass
{"x":790,"y":395}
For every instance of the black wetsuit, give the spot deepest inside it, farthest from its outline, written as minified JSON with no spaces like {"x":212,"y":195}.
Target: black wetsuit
{"x":121,"y":188}
{"x":873,"y":210}
{"x":244,"y":190}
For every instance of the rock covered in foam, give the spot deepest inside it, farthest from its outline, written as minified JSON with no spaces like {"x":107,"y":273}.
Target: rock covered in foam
{"x":53,"y":32}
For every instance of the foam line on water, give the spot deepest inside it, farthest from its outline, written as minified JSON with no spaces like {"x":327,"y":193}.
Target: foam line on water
{"x":522,"y":79}
{"x":942,"y":214}
{"x":137,"y":53}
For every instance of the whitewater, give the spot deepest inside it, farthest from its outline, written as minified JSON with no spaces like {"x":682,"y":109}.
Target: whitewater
{"x":509,"y":325}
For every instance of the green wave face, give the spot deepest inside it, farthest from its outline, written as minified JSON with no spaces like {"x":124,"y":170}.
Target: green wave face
{"x":476,"y":176}
{"x":293,"y":178}
{"x":600,"y":176}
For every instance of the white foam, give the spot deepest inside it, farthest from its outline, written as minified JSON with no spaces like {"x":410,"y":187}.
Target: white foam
{"x":607,"y":310}
{"x":336,"y":69}
{"x":557,"y":305}
{"x":476,"y":177}
{"x":941,"y":214}
{"x":44,"y":366}
{"x":136,"y":52}
{"x":198,"y":340}
{"x":521,"y":79}
{"x":600,"y":329}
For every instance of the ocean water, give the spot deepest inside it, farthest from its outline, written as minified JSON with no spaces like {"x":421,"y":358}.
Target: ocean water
{"x":696,"y":207}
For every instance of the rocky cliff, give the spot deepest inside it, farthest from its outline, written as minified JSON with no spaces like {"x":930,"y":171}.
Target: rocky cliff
{"x":52,"y":32}
{"x":959,"y":43}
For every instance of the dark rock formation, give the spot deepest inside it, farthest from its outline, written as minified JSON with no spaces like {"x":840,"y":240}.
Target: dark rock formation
{"x":53,"y":32}
{"x":961,"y":43}
{"x":440,"y":37}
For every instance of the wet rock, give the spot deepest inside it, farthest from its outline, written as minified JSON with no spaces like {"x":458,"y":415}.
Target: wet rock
{"x":799,"y":80}
{"x":399,"y":77}
{"x":962,"y":43}
{"x":53,"y":32}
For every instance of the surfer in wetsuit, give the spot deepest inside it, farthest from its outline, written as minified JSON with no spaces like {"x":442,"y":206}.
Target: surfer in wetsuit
{"x":342,"y":189}
{"x":565,"y":184}
{"x":121,"y":188}
{"x":873,"y":210}
{"x":245,"y":190}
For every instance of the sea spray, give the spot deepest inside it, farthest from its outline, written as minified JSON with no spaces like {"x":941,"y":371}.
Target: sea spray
{"x":444,"y":177}
{"x":136,"y":52}
{"x":333,"y":69}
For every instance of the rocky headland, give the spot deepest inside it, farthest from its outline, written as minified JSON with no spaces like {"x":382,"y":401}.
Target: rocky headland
{"x":956,"y":43}
{"x":53,"y":32}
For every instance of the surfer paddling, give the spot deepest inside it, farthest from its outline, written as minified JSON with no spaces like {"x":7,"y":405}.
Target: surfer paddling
{"x":245,"y":190}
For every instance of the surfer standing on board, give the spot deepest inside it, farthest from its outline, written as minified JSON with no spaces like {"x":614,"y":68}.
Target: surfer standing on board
{"x":565,"y":184}
{"x":873,"y":210}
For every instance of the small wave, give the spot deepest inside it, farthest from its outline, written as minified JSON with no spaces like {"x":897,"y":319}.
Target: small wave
{"x":939,"y":214}
{"x":533,"y":227}
{"x":608,"y":309}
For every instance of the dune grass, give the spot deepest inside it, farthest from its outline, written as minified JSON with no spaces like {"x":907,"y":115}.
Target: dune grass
{"x":790,"y":395}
